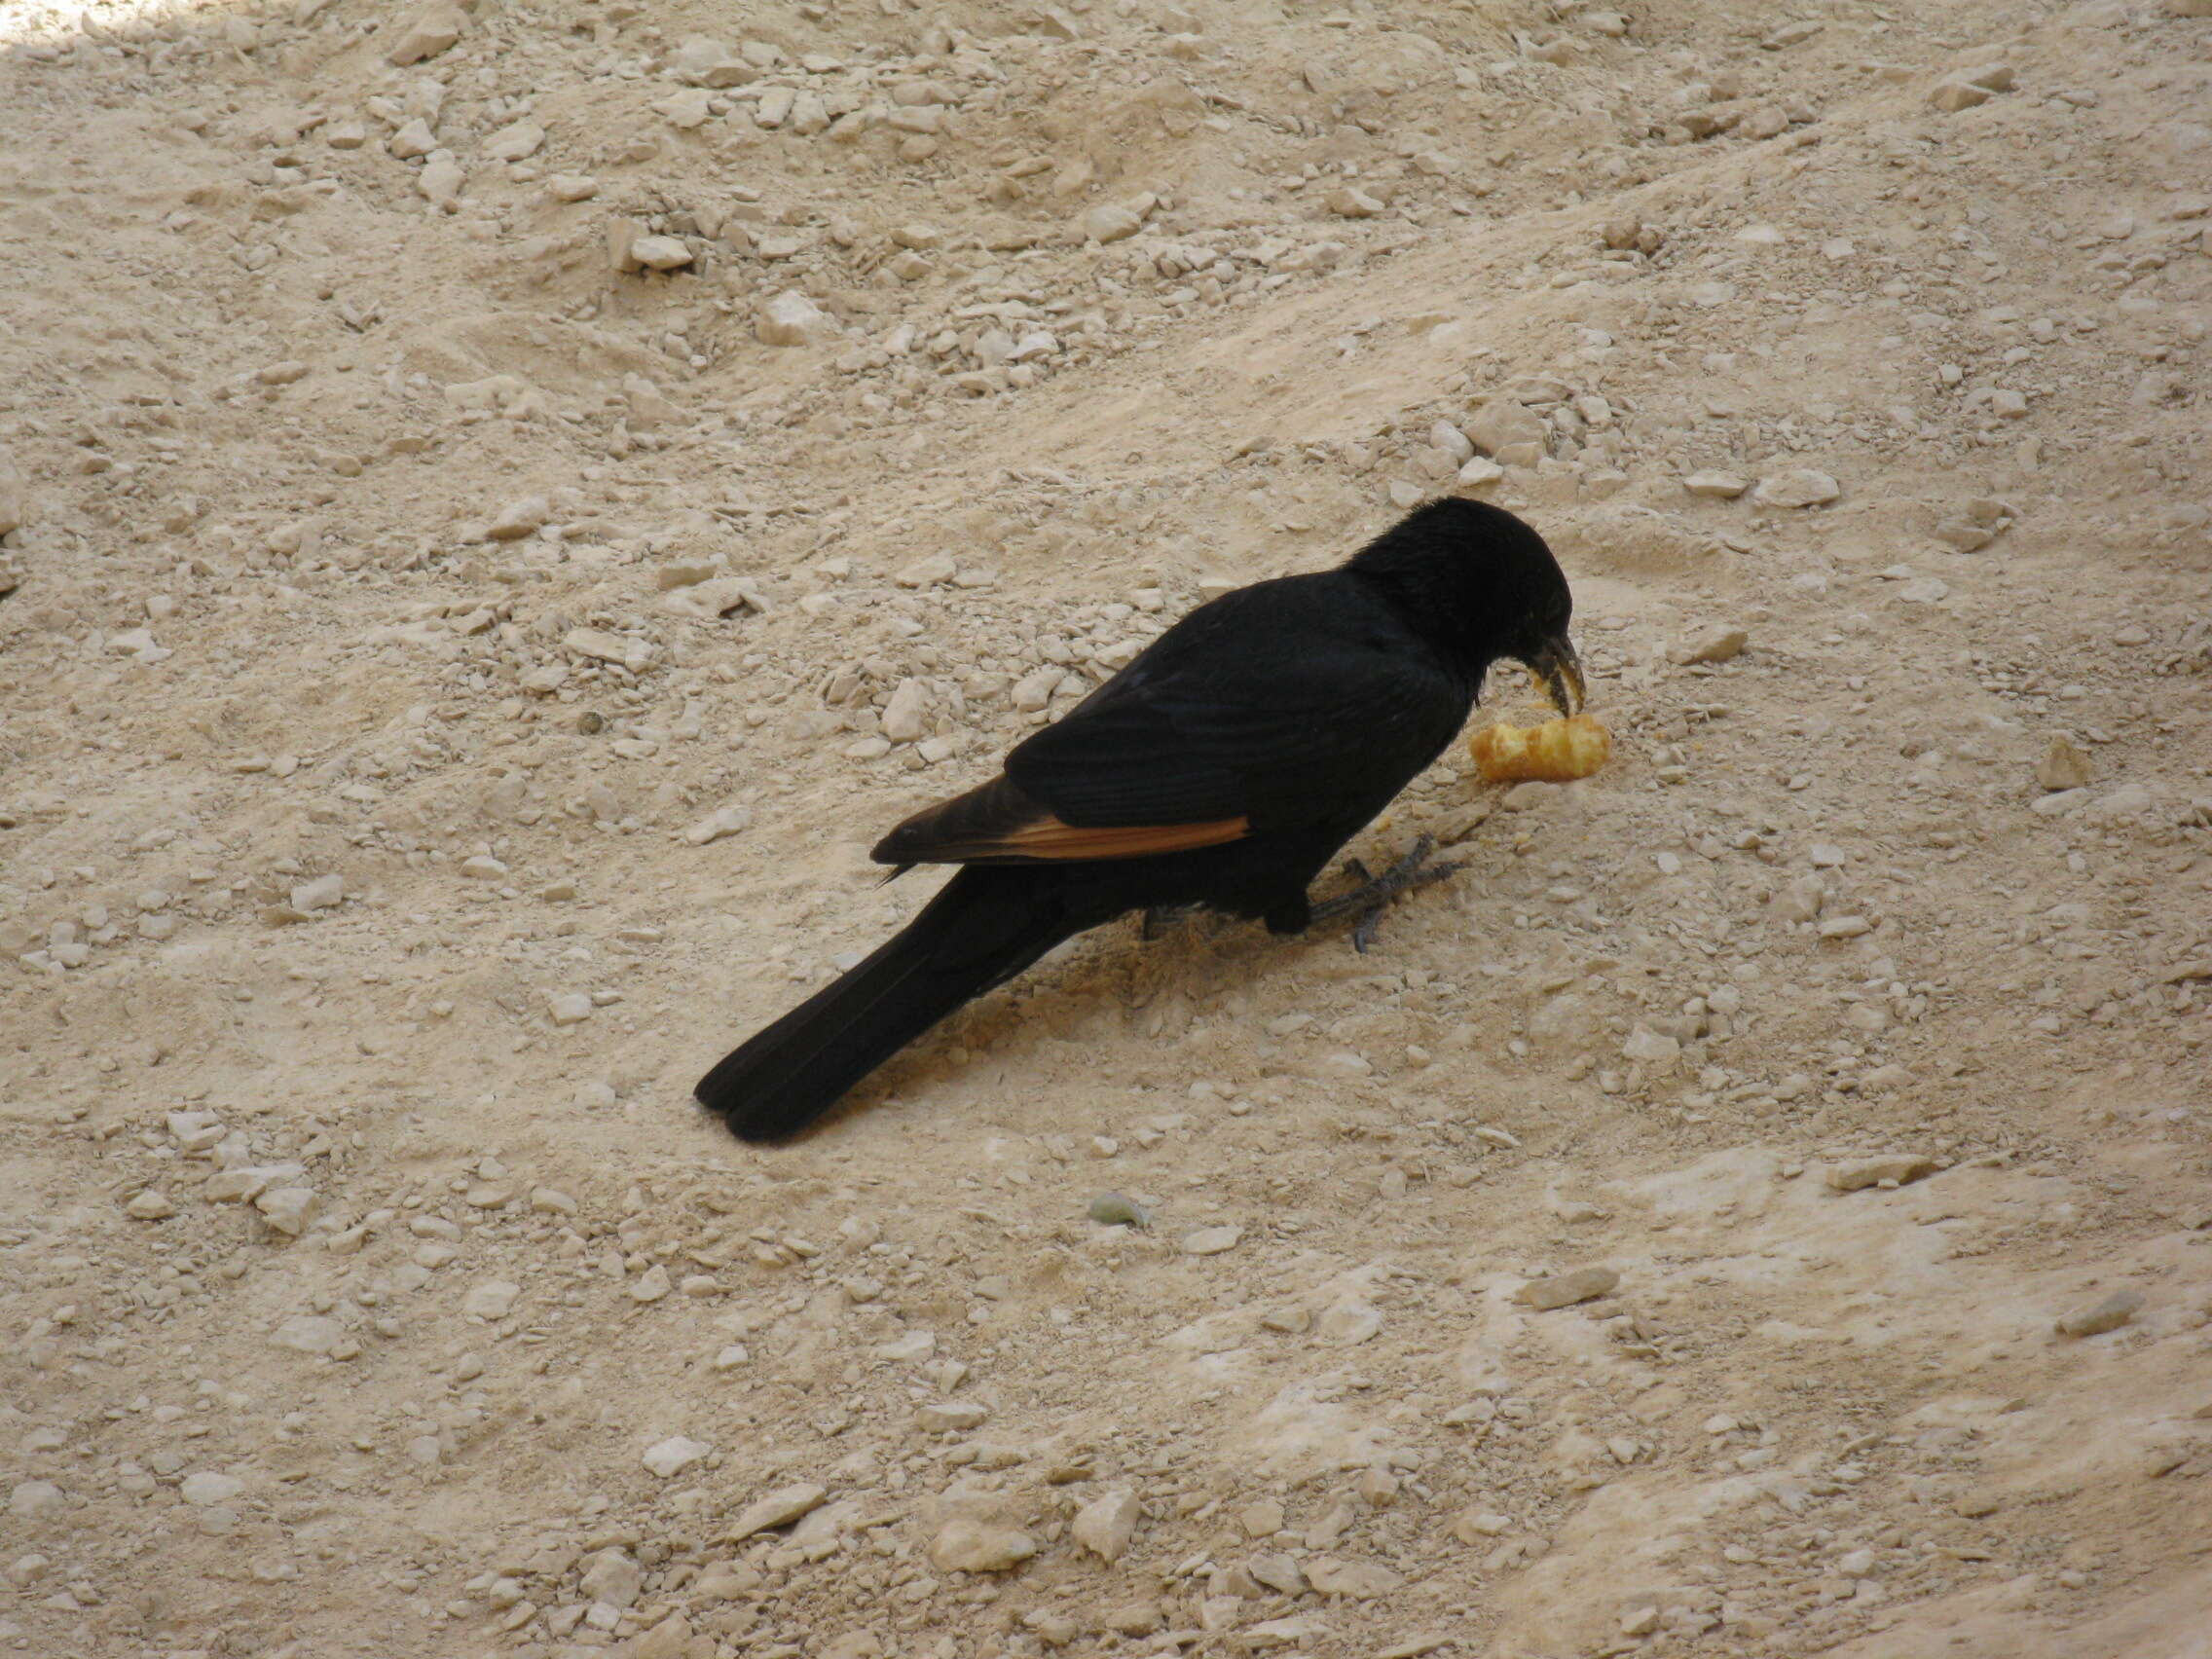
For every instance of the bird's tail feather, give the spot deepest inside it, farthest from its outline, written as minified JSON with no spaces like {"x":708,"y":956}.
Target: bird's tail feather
{"x":984,"y":927}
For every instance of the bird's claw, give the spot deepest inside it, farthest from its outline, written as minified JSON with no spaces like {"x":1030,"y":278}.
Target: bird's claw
{"x":1373,"y":897}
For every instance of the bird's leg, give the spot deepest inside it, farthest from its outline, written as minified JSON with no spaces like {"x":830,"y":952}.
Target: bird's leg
{"x":1372,"y":896}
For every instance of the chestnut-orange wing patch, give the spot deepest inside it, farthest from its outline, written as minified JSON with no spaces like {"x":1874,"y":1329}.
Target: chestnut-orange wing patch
{"x":997,"y":824}
{"x":1049,"y":838}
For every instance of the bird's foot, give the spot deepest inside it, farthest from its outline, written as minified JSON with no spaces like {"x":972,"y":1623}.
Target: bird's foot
{"x":1374,"y":895}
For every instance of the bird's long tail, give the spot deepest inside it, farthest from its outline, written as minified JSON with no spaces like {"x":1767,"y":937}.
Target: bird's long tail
{"x":984,"y":927}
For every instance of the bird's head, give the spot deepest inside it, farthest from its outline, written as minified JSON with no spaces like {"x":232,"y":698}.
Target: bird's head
{"x":1481,"y":585}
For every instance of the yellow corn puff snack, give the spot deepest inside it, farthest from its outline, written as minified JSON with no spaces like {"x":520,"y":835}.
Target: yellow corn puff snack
{"x":1558,"y":752}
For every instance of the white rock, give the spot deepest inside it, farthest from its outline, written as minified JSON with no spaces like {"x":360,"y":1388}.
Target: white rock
{"x":1034,"y":689}
{"x":929,"y":570}
{"x":723,"y":820}
{"x":1718,"y":643}
{"x":1105,"y":1526}
{"x":289,"y":1209}
{"x":1211,"y":1240}
{"x":793,"y":320}
{"x":516,"y":141}
{"x":604,"y":646}
{"x":613,"y":1577}
{"x":905,"y":716}
{"x":2064,"y":765}
{"x":1505,"y":422}
{"x":778,"y":1508}
{"x":1972,"y":87}
{"x":704,"y":62}
{"x":1799,"y":486}
{"x":442,"y":179}
{"x":708,"y":601}
{"x":568,"y":1007}
{"x":1473,"y":1524}
{"x":775,"y":108}
{"x":431,"y":30}
{"x":672,"y":1456}
{"x":205,"y":1488}
{"x":2128,"y":801}
{"x":1356,"y":1580}
{"x":491,"y":1298}
{"x":1348,"y":1322}
{"x":966,"y":1544}
{"x":660,"y":253}
{"x":412,"y":142}
{"x":670,"y":1638}
{"x":320,"y":893}
{"x":525,"y":516}
{"x":1720,"y":486}
{"x":686,"y":109}
{"x":1111,"y":222}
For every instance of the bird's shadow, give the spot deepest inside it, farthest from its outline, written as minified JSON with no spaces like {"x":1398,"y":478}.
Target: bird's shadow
{"x":1128,"y":964}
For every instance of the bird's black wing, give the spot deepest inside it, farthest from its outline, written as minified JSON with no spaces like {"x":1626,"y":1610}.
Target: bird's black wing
{"x":1282,"y":705}
{"x":1278,"y":704}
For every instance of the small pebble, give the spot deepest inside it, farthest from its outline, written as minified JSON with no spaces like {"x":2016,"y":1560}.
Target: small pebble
{"x":1112,"y":1210}
{"x":1799,"y":486}
{"x":672,"y":1456}
{"x":778,"y":1508}
{"x":1211,"y":1240}
{"x":1107,"y":1524}
{"x":2063,"y":766}
{"x":1717,"y":644}
{"x":1896,"y":1170}
{"x":1563,"y":1290}
{"x":1719,"y":486}
{"x":2114,"y":1311}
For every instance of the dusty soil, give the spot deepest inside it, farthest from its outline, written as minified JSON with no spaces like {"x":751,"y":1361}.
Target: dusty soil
{"x":456,"y":659}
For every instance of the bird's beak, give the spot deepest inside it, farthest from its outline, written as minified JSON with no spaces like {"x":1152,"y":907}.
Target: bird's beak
{"x":1560,"y":671}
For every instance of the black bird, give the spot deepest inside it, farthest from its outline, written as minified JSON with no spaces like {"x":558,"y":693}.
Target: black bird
{"x":1222,"y":768}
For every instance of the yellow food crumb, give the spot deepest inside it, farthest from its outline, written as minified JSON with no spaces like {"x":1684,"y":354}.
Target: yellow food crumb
{"x":1558,"y":752}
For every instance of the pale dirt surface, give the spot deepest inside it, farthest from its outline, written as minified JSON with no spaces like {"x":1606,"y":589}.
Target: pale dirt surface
{"x":370,"y":1285}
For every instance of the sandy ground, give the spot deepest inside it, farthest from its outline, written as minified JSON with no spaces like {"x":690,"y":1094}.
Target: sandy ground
{"x":502,"y":507}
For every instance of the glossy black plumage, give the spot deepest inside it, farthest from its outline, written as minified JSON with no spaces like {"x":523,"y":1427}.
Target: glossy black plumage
{"x":1223,"y":767}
